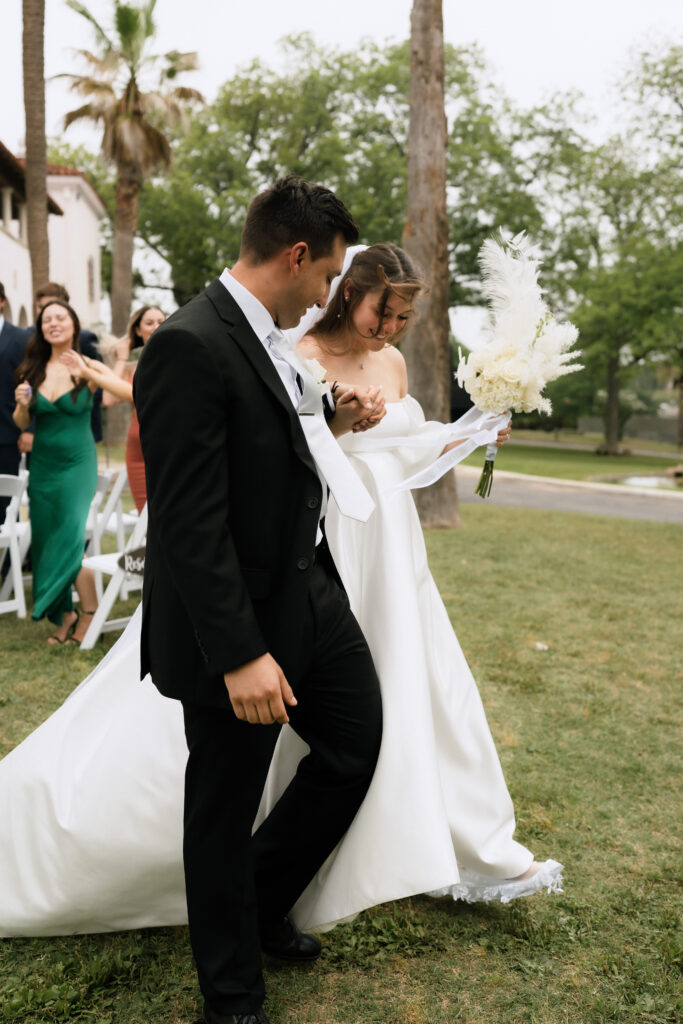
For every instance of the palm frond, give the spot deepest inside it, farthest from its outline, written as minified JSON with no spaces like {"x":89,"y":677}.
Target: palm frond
{"x":148,"y":18}
{"x":85,"y":113}
{"x":140,"y":144}
{"x":106,"y":65}
{"x":81,"y":9}
{"x":183,"y":94}
{"x":87,"y":86}
{"x":177,"y":63}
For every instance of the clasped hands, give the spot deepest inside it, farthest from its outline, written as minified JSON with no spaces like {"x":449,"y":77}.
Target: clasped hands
{"x":356,"y":409}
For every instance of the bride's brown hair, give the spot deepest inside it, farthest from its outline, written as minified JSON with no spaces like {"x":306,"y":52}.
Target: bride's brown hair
{"x":384,"y":268}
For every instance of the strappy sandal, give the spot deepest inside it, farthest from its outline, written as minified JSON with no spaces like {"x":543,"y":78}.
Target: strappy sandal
{"x":74,"y":639}
{"x":53,"y":640}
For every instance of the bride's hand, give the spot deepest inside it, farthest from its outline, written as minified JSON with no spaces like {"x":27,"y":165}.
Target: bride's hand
{"x":503,"y":436}
{"x":375,"y":409}
{"x":356,"y":411}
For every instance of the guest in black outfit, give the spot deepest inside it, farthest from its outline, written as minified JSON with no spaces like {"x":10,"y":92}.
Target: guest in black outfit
{"x":12,"y":345}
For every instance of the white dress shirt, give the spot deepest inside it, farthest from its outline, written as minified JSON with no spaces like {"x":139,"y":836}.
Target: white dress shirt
{"x":332,"y":466}
{"x":262,"y":324}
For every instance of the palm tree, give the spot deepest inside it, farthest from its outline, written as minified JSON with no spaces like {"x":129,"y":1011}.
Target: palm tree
{"x":33,"y":47}
{"x":131,"y":118}
{"x":426,"y":239}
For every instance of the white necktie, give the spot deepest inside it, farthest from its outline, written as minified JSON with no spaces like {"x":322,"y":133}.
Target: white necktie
{"x":348,"y":489}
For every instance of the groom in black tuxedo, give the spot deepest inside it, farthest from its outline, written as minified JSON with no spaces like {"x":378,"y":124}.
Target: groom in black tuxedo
{"x":244,"y":617}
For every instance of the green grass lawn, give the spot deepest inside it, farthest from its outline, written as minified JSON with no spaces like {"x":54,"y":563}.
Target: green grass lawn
{"x":540,"y":460}
{"x":586,"y":731}
{"x":592,"y":440}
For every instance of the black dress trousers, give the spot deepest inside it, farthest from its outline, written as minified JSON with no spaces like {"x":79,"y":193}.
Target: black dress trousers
{"x":235,"y":881}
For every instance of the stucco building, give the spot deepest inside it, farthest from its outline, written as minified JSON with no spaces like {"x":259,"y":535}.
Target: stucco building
{"x":75,"y":213}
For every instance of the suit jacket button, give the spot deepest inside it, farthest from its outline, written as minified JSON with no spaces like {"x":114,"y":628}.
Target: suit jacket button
{"x":313,"y":502}
{"x":302,"y":563}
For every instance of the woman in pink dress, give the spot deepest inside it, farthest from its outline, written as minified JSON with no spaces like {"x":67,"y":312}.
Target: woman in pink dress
{"x":141,"y":327}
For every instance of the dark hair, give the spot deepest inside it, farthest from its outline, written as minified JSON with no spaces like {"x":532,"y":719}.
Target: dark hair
{"x":52,"y":290}
{"x":32,"y":366}
{"x":134,"y":323}
{"x":294,"y":210}
{"x":384,"y":268}
{"x":2,"y":291}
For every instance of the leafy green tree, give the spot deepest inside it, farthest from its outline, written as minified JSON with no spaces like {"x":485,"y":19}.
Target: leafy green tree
{"x":132,"y":118}
{"x":340,"y":118}
{"x":654,"y":92}
{"x":613,"y":216}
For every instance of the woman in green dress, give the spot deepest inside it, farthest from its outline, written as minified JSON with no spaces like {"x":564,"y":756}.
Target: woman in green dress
{"x":63,"y":472}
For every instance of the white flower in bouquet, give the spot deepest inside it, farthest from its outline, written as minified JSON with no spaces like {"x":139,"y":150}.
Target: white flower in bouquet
{"x":527,"y":349}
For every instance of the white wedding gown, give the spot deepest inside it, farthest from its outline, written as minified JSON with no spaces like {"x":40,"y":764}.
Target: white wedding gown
{"x":91,"y":802}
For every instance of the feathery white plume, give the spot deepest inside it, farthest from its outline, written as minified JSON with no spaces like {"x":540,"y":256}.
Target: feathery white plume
{"x":528,"y":348}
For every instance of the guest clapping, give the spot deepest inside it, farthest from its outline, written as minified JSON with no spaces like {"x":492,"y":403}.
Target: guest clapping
{"x":141,"y":327}
{"x":63,"y":471}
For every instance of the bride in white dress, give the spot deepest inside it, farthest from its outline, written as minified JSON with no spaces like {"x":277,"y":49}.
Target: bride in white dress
{"x":91,"y":802}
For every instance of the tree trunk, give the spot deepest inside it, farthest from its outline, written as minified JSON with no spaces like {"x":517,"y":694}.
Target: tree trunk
{"x":426,"y":239}
{"x":679,"y":438}
{"x":36,"y":149}
{"x":125,"y":226}
{"x":612,"y":425}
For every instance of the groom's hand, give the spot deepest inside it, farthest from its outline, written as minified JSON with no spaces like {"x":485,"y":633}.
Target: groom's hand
{"x":258,"y":692}
{"x":357,"y":410}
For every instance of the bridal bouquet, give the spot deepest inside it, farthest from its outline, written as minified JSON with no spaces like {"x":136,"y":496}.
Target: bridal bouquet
{"x":527,"y":349}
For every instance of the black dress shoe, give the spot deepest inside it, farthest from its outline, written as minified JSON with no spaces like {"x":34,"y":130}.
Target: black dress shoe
{"x":284,"y":941}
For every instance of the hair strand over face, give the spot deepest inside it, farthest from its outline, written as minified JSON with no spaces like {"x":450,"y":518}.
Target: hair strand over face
{"x":380,"y":268}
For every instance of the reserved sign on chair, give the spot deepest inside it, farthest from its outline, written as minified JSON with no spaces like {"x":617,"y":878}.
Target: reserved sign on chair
{"x":133,"y":562}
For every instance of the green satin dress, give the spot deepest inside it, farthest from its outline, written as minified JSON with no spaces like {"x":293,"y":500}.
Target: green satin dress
{"x":62,"y":483}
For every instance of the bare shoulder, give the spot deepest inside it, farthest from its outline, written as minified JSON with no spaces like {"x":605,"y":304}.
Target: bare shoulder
{"x":398,"y":364}
{"x":394,"y":358}
{"x":308,"y":347}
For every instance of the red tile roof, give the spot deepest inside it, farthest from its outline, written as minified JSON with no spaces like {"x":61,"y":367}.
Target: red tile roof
{"x":12,"y":170}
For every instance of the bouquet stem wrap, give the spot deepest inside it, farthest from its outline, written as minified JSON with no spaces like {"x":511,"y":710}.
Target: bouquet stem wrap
{"x":483,"y":488}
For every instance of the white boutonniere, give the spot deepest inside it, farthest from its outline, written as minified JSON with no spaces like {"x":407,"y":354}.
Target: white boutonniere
{"x":317,"y":372}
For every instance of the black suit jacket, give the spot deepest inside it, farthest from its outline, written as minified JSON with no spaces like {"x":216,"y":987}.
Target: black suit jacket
{"x":12,"y":344}
{"x":233,"y":502}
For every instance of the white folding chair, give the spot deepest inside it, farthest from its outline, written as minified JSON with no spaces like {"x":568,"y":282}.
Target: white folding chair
{"x":92,"y":526}
{"x":112,"y":519}
{"x":12,"y":532}
{"x":110,"y":565}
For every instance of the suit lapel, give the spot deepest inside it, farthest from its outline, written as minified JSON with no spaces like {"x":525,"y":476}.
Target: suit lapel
{"x":242,"y":334}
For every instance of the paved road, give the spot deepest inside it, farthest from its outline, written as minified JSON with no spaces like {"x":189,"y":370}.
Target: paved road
{"x":569,"y":496}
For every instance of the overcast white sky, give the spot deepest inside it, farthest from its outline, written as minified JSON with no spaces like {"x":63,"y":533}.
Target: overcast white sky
{"x":535,"y":46}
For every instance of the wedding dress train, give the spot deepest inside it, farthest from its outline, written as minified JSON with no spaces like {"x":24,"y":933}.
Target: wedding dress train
{"x":91,"y":802}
